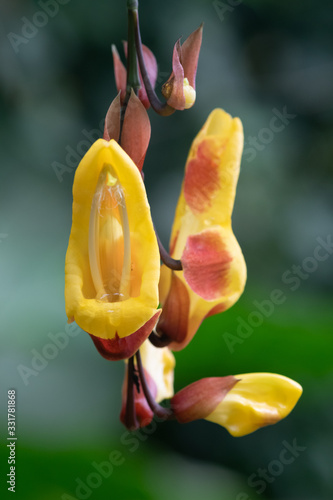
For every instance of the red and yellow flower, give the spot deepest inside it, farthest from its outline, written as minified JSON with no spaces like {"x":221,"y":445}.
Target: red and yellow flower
{"x":214,"y":271}
{"x":114,"y":282}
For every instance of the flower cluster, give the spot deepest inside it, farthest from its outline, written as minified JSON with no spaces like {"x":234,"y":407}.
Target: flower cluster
{"x":116,"y":289}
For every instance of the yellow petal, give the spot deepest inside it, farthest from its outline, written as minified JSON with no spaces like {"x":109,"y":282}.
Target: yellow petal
{"x":257,"y":400}
{"x":160,"y":364}
{"x":189,"y":94}
{"x":112,"y":261}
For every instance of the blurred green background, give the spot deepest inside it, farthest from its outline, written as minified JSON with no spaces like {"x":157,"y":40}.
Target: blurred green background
{"x":258,"y":58}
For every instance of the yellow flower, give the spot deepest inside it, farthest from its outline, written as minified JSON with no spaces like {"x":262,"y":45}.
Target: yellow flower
{"x":214,"y":271}
{"x":257,"y":400}
{"x":112,"y":261}
{"x":241,"y":403}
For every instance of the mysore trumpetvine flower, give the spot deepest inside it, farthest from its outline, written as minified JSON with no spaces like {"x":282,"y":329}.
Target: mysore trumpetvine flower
{"x":114,"y":283}
{"x":241,"y":403}
{"x":111,"y":287}
{"x":214,"y":271}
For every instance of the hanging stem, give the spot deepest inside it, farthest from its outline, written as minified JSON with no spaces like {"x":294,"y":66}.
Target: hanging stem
{"x":173,"y":264}
{"x":161,"y":108}
{"x":133,"y":79}
{"x":158,"y":410}
{"x":159,"y":339}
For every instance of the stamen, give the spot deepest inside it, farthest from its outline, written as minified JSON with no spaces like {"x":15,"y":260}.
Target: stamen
{"x":109,"y":239}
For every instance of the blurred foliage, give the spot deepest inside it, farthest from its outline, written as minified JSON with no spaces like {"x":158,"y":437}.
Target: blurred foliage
{"x":256,"y":57}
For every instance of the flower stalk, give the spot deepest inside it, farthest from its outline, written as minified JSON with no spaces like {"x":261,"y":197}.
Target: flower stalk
{"x":159,"y":107}
{"x":158,"y":410}
{"x":133,"y":79}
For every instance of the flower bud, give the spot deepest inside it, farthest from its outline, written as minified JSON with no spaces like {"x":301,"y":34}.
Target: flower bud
{"x":241,"y":403}
{"x":179,"y":90}
{"x":136,"y":130}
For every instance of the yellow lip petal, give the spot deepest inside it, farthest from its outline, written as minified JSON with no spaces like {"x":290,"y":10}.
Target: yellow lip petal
{"x":257,"y":400}
{"x":112,"y":261}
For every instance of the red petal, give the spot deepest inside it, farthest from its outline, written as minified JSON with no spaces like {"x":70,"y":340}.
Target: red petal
{"x":120,"y":72}
{"x":151,"y":66}
{"x":202,"y":177}
{"x":112,"y":121}
{"x":206,"y":264}
{"x":123,"y":348}
{"x":198,"y":400}
{"x":136,"y":131}
{"x":190,"y":55}
{"x":174,"y":317}
{"x":173,"y":89}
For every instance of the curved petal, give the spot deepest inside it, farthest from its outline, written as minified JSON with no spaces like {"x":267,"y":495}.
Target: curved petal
{"x":257,"y":400}
{"x":190,"y":54}
{"x":112,"y":262}
{"x":123,"y":348}
{"x":173,"y":89}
